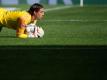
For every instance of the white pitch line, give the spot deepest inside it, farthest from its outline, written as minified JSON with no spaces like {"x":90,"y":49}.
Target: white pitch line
{"x":71,"y":20}
{"x":12,"y":8}
{"x":57,"y":8}
{"x":46,"y":10}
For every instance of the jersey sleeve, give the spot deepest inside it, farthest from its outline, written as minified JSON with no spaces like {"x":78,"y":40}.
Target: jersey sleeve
{"x":22,"y":22}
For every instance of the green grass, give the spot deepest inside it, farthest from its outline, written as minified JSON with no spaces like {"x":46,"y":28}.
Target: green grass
{"x":93,"y":31}
{"x":58,"y":62}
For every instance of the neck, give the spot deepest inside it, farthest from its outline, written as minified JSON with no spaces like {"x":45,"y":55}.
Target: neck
{"x":33,"y":18}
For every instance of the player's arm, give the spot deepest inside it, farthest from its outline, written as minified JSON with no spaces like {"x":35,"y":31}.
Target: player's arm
{"x":21,"y":28}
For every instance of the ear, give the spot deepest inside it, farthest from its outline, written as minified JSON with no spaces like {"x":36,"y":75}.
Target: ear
{"x":34,"y":12}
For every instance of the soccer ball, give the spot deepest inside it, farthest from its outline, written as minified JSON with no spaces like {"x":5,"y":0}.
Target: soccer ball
{"x":33,"y":31}
{"x":38,"y":32}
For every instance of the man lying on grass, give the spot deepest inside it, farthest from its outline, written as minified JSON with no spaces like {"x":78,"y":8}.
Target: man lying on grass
{"x":18,"y":20}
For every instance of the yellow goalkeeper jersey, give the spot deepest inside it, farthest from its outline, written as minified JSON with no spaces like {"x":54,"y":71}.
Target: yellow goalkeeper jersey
{"x":9,"y":18}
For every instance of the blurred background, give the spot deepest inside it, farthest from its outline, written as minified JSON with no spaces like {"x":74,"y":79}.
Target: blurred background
{"x":53,"y":2}
{"x":12,"y":4}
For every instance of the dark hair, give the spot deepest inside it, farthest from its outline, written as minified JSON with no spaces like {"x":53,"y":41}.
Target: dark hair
{"x":35,"y":7}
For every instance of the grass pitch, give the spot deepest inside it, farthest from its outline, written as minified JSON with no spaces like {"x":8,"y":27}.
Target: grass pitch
{"x":69,"y":26}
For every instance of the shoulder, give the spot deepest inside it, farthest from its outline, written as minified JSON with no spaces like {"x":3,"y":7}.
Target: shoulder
{"x":23,"y":14}
{"x":25,"y":17}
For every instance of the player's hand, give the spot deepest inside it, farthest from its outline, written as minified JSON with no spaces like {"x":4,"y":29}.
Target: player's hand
{"x":22,"y":36}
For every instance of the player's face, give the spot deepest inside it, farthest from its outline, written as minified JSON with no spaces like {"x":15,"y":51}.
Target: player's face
{"x":40,"y":13}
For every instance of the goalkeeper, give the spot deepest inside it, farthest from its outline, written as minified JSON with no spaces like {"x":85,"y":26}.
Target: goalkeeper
{"x":18,"y":20}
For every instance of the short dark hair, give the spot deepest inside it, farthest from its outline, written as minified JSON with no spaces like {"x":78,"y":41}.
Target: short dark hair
{"x":35,"y":7}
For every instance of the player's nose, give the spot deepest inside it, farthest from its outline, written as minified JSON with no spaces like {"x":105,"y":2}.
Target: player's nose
{"x":43,"y":14}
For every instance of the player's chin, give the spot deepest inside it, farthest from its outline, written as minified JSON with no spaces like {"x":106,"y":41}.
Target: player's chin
{"x":40,"y":18}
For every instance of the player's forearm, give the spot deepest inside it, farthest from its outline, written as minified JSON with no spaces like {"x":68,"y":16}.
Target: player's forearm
{"x":20,"y":33}
{"x":22,"y":36}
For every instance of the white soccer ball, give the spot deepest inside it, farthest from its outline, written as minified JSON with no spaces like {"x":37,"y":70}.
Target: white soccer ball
{"x":30,"y":28}
{"x":34,"y":31}
{"x":39,"y":32}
